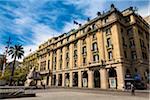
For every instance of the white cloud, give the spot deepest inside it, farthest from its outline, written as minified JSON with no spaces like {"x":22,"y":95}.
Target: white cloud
{"x":144,"y":11}
{"x":90,"y":7}
{"x":42,"y":33}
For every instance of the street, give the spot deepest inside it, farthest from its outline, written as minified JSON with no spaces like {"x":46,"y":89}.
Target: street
{"x":77,"y":94}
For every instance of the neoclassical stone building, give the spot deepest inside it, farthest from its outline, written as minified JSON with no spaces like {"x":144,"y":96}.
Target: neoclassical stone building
{"x":109,"y":51}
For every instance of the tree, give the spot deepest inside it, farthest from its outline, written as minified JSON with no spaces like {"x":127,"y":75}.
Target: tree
{"x":15,"y":52}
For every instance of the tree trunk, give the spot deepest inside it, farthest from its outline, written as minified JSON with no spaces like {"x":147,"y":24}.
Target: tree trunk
{"x":12,"y":72}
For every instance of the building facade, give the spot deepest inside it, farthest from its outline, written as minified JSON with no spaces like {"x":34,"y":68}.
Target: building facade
{"x":108,"y":51}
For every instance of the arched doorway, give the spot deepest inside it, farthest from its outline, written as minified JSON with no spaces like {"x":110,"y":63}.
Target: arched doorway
{"x":67,"y":79}
{"x":54,"y":80}
{"x":112,"y":78}
{"x":75,"y":79}
{"x":60,"y":80}
{"x":96,"y":79}
{"x":85,"y":79}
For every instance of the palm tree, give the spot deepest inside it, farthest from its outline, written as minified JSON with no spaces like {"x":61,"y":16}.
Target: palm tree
{"x":15,"y":52}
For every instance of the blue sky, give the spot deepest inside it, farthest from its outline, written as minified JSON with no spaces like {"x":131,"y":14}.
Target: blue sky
{"x":31,"y":22}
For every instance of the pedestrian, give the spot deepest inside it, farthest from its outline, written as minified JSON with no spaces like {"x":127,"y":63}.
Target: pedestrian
{"x":132,"y":89}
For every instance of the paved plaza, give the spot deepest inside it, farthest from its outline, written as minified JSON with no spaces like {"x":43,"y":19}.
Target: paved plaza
{"x":77,"y":94}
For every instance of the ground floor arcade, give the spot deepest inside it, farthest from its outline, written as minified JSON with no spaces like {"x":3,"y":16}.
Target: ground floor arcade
{"x":111,"y":77}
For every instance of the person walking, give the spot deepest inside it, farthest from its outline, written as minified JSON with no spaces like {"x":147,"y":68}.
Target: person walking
{"x":132,"y":89}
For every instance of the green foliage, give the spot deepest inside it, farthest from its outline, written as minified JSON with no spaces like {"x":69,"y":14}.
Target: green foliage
{"x":19,"y":74}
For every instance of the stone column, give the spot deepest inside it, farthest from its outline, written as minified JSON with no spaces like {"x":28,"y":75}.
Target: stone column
{"x":104,"y":78}
{"x":120,"y":76}
{"x":63,"y":79}
{"x":56,"y":80}
{"x":90,"y":79}
{"x":71,"y":78}
{"x":50,"y":78}
{"x":79,"y":79}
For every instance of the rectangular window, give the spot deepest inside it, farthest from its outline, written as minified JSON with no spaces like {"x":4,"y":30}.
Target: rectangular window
{"x":75,"y":52}
{"x":67,"y":38}
{"x":132,"y":43}
{"x":67,"y":66}
{"x":84,"y":60}
{"x":106,"y":20}
{"x":75,"y":44}
{"x":127,"y":19}
{"x":75,"y":35}
{"x":61,"y":50}
{"x":84,"y":50}
{"x":133,"y":55}
{"x":83,"y":41}
{"x":96,"y":58}
{"x":108,"y":31}
{"x":94,"y":46}
{"x":130,"y":31}
{"x":94,"y":35}
{"x":108,"y":42}
{"x":110,"y":56}
{"x":67,"y":55}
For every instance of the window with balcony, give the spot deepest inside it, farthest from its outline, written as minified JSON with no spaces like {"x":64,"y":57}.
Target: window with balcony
{"x":130,"y":31}
{"x":83,"y":41}
{"x":61,"y":42}
{"x":142,"y":43}
{"x":84,"y":50}
{"x":67,"y":65}
{"x":93,"y":26}
{"x":75,"y":35}
{"x":84,"y":60}
{"x":67,"y":55}
{"x":94,"y":36}
{"x":132,"y":43}
{"x":75,"y":45}
{"x":75,"y":63}
{"x":144,"y":55}
{"x":108,"y":42}
{"x":127,"y":19}
{"x":94,"y":47}
{"x":108,"y":31}
{"x":55,"y":59}
{"x":133,"y":55}
{"x":140,"y":33}
{"x":75,"y":53}
{"x":106,"y":20}
{"x":96,"y":58}
{"x":60,"y":50}
{"x":110,"y":55}
{"x":67,"y":39}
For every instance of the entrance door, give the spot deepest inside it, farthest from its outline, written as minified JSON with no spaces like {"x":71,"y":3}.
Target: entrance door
{"x":85,"y":79}
{"x":96,"y":79}
{"x":112,"y":78}
{"x":60,"y":80}
{"x":75,"y":79}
